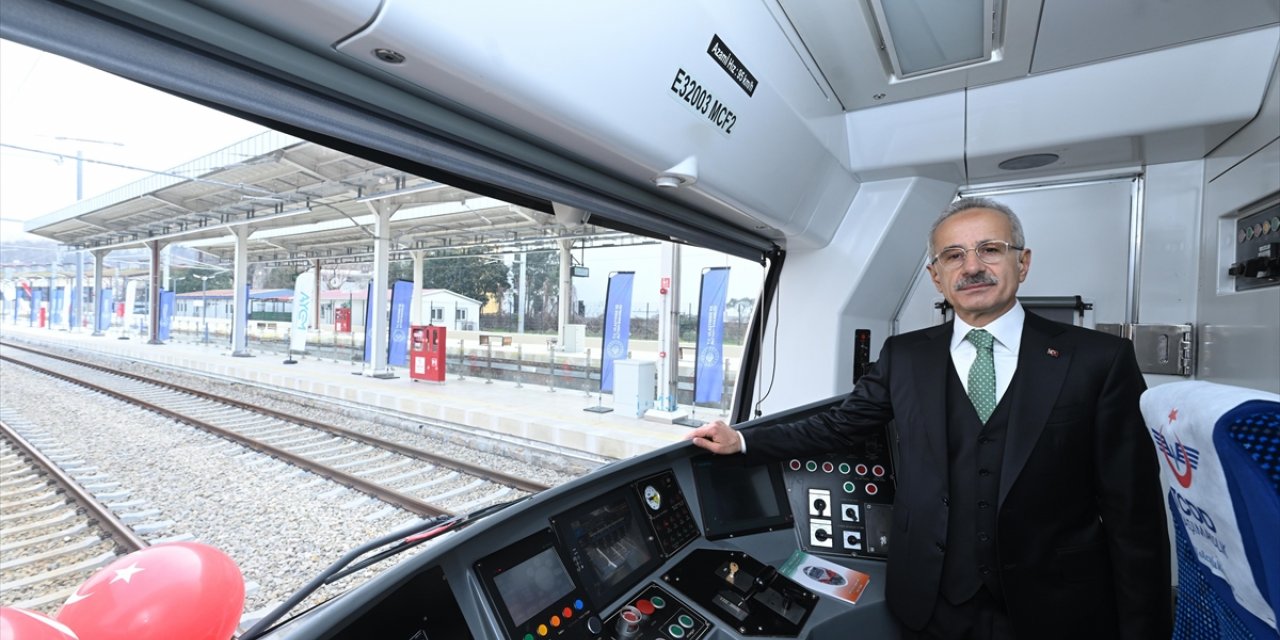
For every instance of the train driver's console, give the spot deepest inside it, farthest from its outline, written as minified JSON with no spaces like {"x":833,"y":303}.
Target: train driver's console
{"x":622,"y":565}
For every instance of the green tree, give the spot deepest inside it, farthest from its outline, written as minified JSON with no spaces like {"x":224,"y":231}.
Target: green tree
{"x":542,"y":279}
{"x":474,"y":276}
{"x":188,"y":281}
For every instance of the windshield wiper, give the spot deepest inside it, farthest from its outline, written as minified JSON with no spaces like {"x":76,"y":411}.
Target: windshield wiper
{"x":403,"y":540}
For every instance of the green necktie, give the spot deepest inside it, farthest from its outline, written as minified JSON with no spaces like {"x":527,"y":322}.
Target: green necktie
{"x":982,"y":375}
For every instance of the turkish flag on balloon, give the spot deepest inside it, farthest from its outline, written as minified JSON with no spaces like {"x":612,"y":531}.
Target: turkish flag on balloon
{"x":177,"y":590}
{"x":20,"y":624}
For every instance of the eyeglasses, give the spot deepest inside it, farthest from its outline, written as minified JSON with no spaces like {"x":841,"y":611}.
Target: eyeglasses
{"x":989,"y":252}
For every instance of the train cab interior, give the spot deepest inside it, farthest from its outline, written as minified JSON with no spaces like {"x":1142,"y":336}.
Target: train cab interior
{"x":1139,"y":140}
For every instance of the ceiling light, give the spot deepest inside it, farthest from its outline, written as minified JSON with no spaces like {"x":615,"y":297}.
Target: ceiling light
{"x":923,"y":36}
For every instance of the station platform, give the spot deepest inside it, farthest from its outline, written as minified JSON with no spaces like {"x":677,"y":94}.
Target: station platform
{"x":535,"y":412}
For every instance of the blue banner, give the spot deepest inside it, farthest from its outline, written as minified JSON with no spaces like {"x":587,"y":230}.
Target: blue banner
{"x":368,"y":323}
{"x":708,"y":381}
{"x":37,"y":296}
{"x":166,"y":314}
{"x":617,"y":324}
{"x":105,"y":300}
{"x":398,"y":344}
{"x":55,"y":309}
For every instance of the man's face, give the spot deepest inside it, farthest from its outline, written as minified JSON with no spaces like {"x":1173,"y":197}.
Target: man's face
{"x":978,"y":292}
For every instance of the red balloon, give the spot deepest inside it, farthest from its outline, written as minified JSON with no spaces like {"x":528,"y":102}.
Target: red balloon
{"x":20,"y":624}
{"x":176,"y":590}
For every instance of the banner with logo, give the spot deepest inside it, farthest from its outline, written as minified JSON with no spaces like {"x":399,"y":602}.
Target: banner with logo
{"x":10,"y":292}
{"x":105,"y":302}
{"x":708,"y":380}
{"x":130,"y":299}
{"x":368,"y":323}
{"x":166,"y":315}
{"x":37,"y":297}
{"x":303,"y":306}
{"x":617,"y":324}
{"x":398,"y":340}
{"x":55,"y":306}
{"x":68,"y":293}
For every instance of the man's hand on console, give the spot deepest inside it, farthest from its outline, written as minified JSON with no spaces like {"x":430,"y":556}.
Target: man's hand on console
{"x":716,"y":437}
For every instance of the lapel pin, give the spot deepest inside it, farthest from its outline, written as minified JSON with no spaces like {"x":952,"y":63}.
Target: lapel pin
{"x":1053,"y":353}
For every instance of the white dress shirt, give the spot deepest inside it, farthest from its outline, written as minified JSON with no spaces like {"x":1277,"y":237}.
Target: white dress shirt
{"x":1007,"y":331}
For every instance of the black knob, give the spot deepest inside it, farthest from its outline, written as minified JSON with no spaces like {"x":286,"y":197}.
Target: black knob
{"x":821,"y":535}
{"x":820,"y":506}
{"x":594,"y":625}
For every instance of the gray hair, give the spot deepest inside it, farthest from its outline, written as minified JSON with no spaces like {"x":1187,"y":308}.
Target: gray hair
{"x":965,"y":204}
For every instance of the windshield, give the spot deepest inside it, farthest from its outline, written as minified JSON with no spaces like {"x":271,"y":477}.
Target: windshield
{"x":522,"y":346}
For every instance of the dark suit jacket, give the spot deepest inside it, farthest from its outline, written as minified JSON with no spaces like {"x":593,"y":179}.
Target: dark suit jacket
{"x":1082,"y":542}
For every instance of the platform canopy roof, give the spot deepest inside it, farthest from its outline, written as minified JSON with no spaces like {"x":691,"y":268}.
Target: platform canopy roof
{"x":302,"y":201}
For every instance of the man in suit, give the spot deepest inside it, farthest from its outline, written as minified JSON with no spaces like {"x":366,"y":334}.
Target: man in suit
{"x":1028,"y":501}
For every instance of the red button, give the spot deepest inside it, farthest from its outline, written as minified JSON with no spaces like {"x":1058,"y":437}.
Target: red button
{"x":861,"y":469}
{"x":877,"y":471}
{"x":630,"y":616}
{"x":871,"y":489}
{"x":828,"y":467}
{"x":795,"y":465}
{"x":645,"y":607}
{"x":568,"y":613}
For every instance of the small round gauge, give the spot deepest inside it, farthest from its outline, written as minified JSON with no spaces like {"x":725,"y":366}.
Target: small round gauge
{"x":652,"y":497}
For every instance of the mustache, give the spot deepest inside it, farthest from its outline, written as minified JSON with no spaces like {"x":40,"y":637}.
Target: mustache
{"x":977,"y":278}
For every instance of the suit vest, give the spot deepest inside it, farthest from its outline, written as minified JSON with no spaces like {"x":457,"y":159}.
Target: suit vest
{"x":975,"y":452}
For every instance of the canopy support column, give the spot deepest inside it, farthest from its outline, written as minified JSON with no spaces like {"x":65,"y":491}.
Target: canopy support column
{"x":240,"y":295}
{"x":666,"y":406}
{"x":377,"y":365}
{"x":99,"y":269}
{"x":153,"y":303}
{"x":415,"y":308}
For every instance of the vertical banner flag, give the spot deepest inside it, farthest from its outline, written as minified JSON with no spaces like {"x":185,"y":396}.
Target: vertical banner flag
{"x":10,"y":292}
{"x":55,"y":306}
{"x":166,"y":315}
{"x":105,"y":301}
{"x":617,"y":324}
{"x":303,"y":305}
{"x":368,"y":322}
{"x":67,"y":293}
{"x":398,"y":342}
{"x":708,"y":381}
{"x":37,"y":297}
{"x":130,"y":298}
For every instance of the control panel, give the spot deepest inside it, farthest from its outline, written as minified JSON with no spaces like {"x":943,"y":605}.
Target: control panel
{"x":667,"y":511}
{"x":654,"y":614}
{"x":534,"y":594}
{"x":744,"y":593}
{"x":843,"y":504}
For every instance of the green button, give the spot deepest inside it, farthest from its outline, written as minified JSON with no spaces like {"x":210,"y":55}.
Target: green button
{"x":657,"y":602}
{"x":811,"y":465}
{"x":685,"y":621}
{"x":844,"y":468}
{"x":675,"y":631}
{"x":528,"y":636}
{"x":848,"y":487}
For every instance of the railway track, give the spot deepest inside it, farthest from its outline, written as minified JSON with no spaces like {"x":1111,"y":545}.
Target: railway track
{"x":56,"y":530}
{"x":414,"y":479}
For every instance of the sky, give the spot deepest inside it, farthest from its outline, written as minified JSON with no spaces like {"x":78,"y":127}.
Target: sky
{"x":51,"y":108}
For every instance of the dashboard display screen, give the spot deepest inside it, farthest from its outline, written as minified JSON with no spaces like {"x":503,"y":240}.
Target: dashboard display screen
{"x":533,"y":585}
{"x":608,"y":544}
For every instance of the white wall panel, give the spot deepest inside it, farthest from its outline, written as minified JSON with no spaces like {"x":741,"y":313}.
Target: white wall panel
{"x":856,"y":282}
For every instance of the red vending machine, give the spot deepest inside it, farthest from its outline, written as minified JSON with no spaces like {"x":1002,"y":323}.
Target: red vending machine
{"x":426,"y":353}
{"x":342,"y":318}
